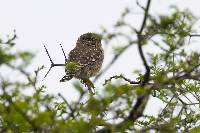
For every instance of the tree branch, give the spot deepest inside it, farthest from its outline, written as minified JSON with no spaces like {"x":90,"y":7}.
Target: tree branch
{"x":141,"y":101}
{"x":72,"y":110}
{"x":10,"y":40}
{"x":121,"y":77}
{"x":52,"y":63}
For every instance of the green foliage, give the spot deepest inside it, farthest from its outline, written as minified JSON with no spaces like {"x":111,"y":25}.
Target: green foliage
{"x":25,"y":58}
{"x":5,"y":57}
{"x":172,"y":28}
{"x":71,"y":66}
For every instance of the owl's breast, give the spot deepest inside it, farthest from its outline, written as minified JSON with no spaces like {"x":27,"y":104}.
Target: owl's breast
{"x":89,"y":59}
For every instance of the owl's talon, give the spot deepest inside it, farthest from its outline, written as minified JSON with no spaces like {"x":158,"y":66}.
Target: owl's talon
{"x":87,"y":83}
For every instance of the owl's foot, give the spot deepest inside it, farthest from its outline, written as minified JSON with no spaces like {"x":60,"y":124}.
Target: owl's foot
{"x":89,"y":85}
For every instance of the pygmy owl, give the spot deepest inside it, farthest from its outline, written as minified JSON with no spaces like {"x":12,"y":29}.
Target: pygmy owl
{"x":85,"y":60}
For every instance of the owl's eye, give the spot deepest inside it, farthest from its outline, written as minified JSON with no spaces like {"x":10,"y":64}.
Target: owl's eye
{"x":85,"y":37}
{"x":89,"y":41}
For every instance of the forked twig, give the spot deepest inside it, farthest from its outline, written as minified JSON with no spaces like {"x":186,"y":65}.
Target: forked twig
{"x":52,"y":63}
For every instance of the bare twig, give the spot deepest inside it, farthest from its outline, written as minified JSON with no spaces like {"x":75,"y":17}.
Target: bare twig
{"x":138,"y":3}
{"x":63,"y":53}
{"x":121,"y":77}
{"x":10,"y":40}
{"x":170,"y":101}
{"x":194,"y":35}
{"x":18,"y":69}
{"x":158,"y":45}
{"x":52,"y":63}
{"x":34,"y":82}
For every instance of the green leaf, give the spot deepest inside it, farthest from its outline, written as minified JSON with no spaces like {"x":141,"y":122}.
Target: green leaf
{"x":71,"y":66}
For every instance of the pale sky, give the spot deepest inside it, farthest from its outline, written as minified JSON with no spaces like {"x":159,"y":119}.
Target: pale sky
{"x":52,"y":22}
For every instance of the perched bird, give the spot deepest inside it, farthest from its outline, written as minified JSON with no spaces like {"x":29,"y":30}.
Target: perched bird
{"x":85,"y":60}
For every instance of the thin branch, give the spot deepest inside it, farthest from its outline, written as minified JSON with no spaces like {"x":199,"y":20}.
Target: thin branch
{"x":72,"y":111}
{"x":52,"y":63}
{"x":167,"y":105}
{"x":26,"y":74}
{"x":63,"y":53}
{"x":145,"y":16}
{"x":119,"y":54}
{"x":158,"y":45}
{"x":10,"y":40}
{"x":147,"y":73}
{"x":138,"y":3}
{"x":107,"y":67}
{"x":48,"y":55}
{"x":194,"y":35}
{"x":121,"y":77}
{"x":34,"y":82}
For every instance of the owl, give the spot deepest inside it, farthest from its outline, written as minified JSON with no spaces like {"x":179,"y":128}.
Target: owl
{"x":85,"y":60}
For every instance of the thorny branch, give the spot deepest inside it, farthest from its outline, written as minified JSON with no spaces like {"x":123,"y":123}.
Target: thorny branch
{"x":194,"y":35}
{"x":52,"y":63}
{"x":63,"y":53}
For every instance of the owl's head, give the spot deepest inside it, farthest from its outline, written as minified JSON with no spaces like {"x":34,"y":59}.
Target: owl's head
{"x":89,"y":39}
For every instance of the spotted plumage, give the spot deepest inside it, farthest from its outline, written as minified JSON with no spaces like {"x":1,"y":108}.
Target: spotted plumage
{"x":87,"y":56}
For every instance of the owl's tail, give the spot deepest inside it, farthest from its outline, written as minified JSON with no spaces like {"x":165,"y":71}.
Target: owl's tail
{"x":67,"y":77}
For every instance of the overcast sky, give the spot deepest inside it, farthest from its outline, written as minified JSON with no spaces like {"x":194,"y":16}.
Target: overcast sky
{"x":51,"y":22}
